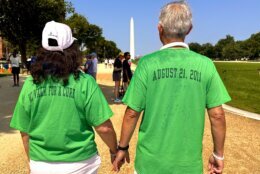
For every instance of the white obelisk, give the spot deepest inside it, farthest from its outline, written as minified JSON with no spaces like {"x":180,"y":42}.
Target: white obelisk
{"x":132,"y":39}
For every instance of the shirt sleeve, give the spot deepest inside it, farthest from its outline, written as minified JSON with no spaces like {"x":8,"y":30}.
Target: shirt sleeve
{"x":97,"y":109}
{"x":21,"y":118}
{"x":135,"y":96}
{"x":216,"y":91}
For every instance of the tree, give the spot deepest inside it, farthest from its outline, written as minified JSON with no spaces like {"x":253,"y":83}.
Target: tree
{"x":196,"y":47}
{"x":221,"y":45}
{"x":93,"y":37}
{"x":79,"y":26}
{"x":254,"y":46}
{"x":242,"y":48}
{"x":228,"y":48}
{"x":22,"y":21}
{"x":88,"y":35}
{"x":110,"y":49}
{"x":208,"y":50}
{"x":231,"y":52}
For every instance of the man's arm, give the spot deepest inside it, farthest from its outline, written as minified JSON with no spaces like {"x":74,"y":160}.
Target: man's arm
{"x":25,"y":139}
{"x":125,"y":69}
{"x":218,"y":131}
{"x":128,"y":126}
{"x":108,"y":135}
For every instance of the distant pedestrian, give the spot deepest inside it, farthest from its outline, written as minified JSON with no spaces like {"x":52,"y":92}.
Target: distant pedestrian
{"x":106,"y":63}
{"x":95,"y":63}
{"x":127,"y":73}
{"x":118,"y":67}
{"x":33,"y":58}
{"x":89,"y":66}
{"x":59,"y":107}
{"x":28,"y":65}
{"x":110,"y":63}
{"x":173,"y":86}
{"x":14,"y":60}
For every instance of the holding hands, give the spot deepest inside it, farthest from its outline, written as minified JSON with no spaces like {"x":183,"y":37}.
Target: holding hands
{"x":121,"y":157}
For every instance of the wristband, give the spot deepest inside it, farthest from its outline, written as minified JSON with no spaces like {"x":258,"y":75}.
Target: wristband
{"x":123,"y":148}
{"x":217,"y":157}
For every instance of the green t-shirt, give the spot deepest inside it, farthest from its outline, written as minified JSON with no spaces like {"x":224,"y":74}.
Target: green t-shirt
{"x":59,"y":118}
{"x":173,"y":87}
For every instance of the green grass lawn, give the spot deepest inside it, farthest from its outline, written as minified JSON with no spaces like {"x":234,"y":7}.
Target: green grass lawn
{"x":242,"y":81}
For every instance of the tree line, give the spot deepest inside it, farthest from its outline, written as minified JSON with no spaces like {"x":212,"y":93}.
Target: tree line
{"x":22,"y":22}
{"x":229,"y":49}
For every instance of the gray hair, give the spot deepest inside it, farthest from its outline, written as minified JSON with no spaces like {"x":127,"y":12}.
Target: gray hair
{"x":176,"y":19}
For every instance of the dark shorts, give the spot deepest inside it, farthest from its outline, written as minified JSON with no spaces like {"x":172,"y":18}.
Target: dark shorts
{"x":116,"y":76}
{"x":16,"y":70}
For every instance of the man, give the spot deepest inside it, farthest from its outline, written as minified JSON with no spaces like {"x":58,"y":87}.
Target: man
{"x":89,"y":66}
{"x":117,"y":76}
{"x":173,"y":86}
{"x":95,"y":62}
{"x":127,"y":73}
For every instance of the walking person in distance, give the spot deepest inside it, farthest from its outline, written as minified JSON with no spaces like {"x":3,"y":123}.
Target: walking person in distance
{"x":14,"y":60}
{"x":127,"y":73}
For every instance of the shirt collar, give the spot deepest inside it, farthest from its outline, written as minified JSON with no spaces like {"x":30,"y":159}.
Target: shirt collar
{"x":174,"y":44}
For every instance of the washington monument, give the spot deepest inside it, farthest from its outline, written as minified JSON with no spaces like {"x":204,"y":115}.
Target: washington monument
{"x":132,"y":39}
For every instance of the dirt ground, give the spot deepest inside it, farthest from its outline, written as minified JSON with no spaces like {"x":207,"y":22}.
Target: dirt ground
{"x":242,"y":147}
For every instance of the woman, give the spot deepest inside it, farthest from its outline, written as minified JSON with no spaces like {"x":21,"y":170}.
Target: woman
{"x":57,"y":108}
{"x":14,"y":60}
{"x":117,"y":76}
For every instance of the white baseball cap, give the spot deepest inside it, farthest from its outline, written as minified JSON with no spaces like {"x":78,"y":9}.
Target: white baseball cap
{"x":59,"y":32}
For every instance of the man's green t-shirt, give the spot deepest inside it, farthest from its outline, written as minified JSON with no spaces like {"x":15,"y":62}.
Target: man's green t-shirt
{"x":173,"y":87}
{"x":59,"y":118}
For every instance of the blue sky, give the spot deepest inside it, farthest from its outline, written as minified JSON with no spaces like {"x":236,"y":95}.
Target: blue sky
{"x":212,"y":20}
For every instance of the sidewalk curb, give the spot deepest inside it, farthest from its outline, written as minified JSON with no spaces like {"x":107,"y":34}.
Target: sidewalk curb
{"x":242,"y":113}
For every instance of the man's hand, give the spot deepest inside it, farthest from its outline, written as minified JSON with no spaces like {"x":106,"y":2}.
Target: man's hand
{"x":127,"y":130}
{"x":121,"y":157}
{"x":215,"y":166}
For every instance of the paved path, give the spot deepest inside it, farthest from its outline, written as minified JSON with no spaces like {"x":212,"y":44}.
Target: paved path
{"x":8,"y":98}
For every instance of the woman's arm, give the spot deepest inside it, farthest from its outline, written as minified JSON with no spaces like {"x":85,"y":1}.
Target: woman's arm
{"x":25,"y":138}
